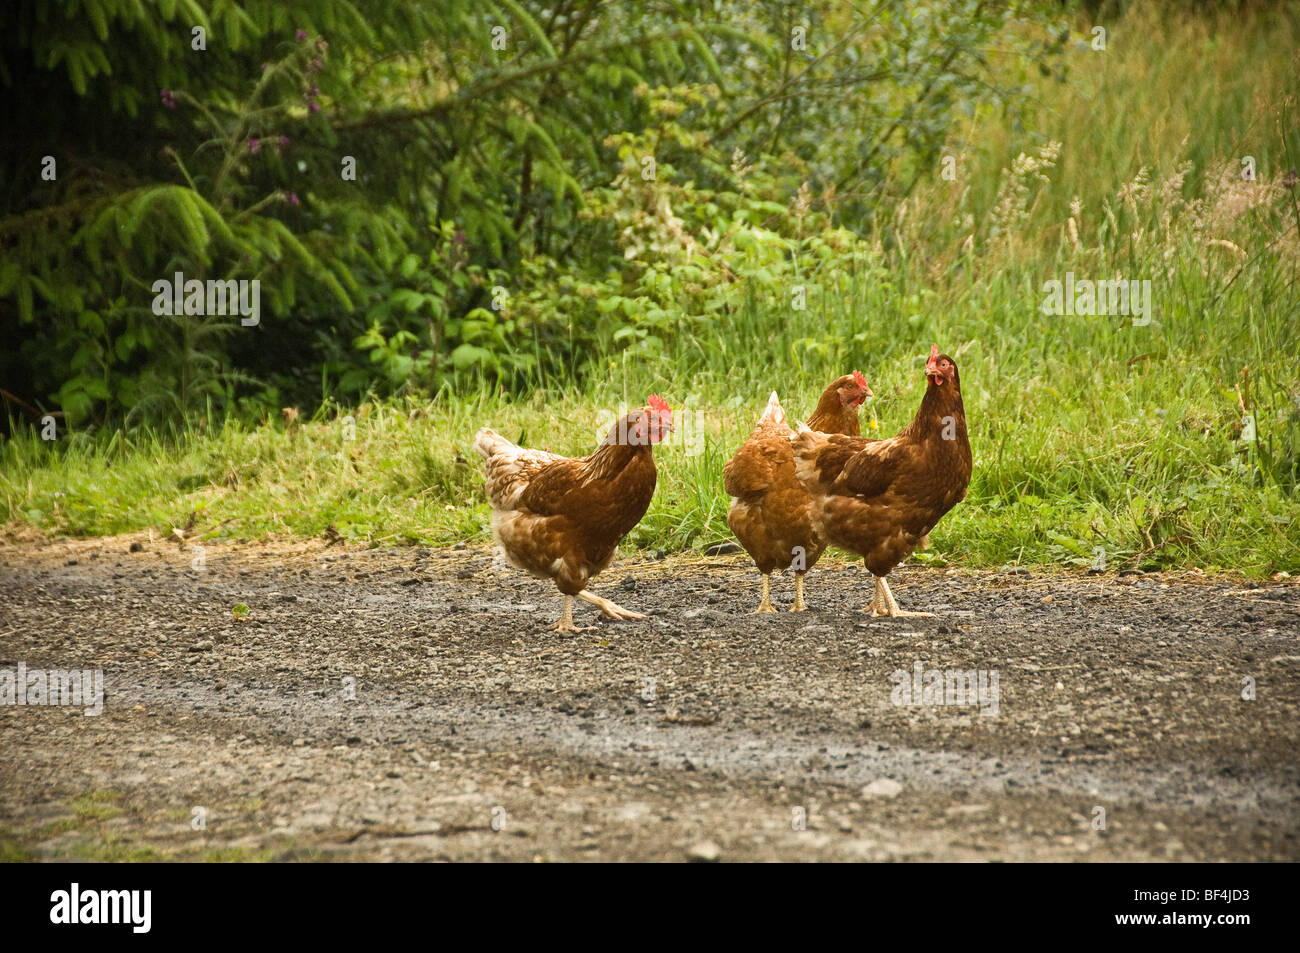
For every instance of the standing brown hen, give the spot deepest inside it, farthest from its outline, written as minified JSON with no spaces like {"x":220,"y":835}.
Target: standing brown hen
{"x":561,"y":518}
{"x":880,"y":498}
{"x":771,"y":511}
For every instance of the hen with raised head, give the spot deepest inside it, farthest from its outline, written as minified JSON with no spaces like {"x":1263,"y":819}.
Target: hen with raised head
{"x":881,"y":498}
{"x":562,"y":518}
{"x":771,"y":511}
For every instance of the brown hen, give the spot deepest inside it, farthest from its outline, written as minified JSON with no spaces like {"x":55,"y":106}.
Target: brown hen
{"x":771,"y":511}
{"x":561,"y":518}
{"x":881,"y":498}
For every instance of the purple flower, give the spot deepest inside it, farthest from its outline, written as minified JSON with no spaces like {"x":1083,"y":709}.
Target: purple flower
{"x":313,"y":67}
{"x":254,"y":146}
{"x":314,"y":89}
{"x":313,"y":105}
{"x":282,"y":143}
{"x":292,"y":198}
{"x":300,"y":35}
{"x":460,"y":238}
{"x":168,"y":99}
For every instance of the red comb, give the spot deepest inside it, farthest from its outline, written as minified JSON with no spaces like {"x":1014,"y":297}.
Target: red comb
{"x":656,"y":402}
{"x":860,"y":380}
{"x":934,"y":351}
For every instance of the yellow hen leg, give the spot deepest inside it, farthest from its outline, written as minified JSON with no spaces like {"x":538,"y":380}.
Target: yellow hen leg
{"x":890,"y":605}
{"x":565,"y":622}
{"x":877,"y":606}
{"x":766,"y":604}
{"x":610,"y":609}
{"x":799,"y":604}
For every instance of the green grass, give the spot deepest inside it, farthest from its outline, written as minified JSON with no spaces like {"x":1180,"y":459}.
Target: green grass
{"x":12,"y":851}
{"x":91,"y":840}
{"x":1074,"y":449}
{"x":1087,"y":431}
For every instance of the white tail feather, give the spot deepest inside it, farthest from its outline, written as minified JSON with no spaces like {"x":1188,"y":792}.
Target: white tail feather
{"x":774,"y":413}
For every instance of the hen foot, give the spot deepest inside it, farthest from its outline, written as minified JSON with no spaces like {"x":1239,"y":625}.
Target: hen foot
{"x":611,"y":610}
{"x":884,"y":603}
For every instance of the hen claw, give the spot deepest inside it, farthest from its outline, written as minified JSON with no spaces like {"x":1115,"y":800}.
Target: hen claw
{"x":559,"y":625}
{"x":620,"y":613}
{"x":884,"y":603}
{"x":610,"y":610}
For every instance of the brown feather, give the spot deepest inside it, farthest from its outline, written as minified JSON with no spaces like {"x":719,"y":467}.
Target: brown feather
{"x":832,"y":414}
{"x":771,"y":511}
{"x":562,"y":518}
{"x":880,"y":498}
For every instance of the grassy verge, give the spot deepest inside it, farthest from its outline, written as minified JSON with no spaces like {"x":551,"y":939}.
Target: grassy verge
{"x":1169,"y":443}
{"x":84,"y":834}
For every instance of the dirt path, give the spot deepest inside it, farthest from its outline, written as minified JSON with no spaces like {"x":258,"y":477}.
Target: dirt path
{"x":1114,"y":693}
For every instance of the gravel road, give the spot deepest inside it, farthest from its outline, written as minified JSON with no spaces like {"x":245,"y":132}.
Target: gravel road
{"x":410,"y":704}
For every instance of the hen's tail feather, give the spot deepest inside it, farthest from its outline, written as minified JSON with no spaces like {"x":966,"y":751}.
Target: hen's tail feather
{"x":774,"y":413}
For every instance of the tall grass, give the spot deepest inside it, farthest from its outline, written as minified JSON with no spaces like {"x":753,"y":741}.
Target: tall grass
{"x":1088,"y":432}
